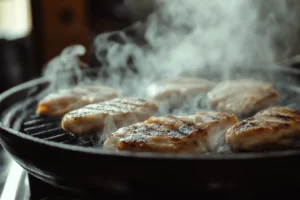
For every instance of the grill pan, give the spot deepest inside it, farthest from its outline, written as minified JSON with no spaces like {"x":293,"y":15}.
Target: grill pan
{"x":46,"y":152}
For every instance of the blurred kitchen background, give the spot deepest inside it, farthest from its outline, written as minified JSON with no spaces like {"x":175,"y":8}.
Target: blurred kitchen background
{"x":34,"y":31}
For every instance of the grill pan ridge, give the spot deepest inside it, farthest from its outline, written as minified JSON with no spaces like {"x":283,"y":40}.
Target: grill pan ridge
{"x":49,"y":129}
{"x":44,"y":150}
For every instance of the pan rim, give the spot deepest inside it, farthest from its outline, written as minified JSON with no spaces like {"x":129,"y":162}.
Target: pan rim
{"x":142,"y":155}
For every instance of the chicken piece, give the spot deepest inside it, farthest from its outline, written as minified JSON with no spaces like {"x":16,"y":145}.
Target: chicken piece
{"x":242,"y":97}
{"x":63,"y":101}
{"x":174,"y":92}
{"x":272,"y":128}
{"x":200,"y":133}
{"x":108,"y":116}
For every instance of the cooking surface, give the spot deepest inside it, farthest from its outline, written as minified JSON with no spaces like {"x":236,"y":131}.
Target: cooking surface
{"x":49,"y":128}
{"x":100,"y":170}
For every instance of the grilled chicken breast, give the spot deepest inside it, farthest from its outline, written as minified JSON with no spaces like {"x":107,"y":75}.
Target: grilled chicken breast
{"x":272,"y":128}
{"x":63,"y":101}
{"x":199,"y":133}
{"x":108,"y":116}
{"x":174,"y":92}
{"x":242,"y":97}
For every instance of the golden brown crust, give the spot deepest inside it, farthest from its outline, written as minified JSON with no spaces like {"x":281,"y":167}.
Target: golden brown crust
{"x":272,"y":128}
{"x":116,"y":113}
{"x":177,"y":134}
{"x":63,"y":101}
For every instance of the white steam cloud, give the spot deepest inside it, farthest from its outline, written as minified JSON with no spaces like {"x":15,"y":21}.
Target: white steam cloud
{"x":190,"y":36}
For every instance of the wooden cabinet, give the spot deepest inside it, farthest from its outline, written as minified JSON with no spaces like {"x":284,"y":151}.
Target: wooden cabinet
{"x":60,"y":23}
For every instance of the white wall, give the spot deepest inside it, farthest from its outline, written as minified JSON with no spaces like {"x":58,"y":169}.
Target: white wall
{"x":15,"y":18}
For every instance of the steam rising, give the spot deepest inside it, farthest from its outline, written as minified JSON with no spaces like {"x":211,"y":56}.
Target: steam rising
{"x":187,"y":38}
{"x":181,"y":38}
{"x":68,"y":61}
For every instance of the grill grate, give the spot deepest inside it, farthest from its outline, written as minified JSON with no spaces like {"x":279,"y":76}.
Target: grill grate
{"x":49,"y":128}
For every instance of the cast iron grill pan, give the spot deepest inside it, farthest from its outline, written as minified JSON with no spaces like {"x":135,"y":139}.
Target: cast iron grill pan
{"x":87,"y":170}
{"x":49,"y":129}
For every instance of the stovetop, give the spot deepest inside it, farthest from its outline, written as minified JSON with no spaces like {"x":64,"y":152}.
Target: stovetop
{"x":16,"y":185}
{"x":20,"y":185}
{"x":5,"y":163}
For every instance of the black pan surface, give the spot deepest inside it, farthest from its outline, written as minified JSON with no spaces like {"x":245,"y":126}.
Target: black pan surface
{"x":89,"y":170}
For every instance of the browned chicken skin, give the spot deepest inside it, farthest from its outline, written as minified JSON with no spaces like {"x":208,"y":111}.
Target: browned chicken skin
{"x":273,"y":128}
{"x":241,"y":97}
{"x":199,"y":133}
{"x":113,"y":114}
{"x":63,"y":101}
{"x":174,"y":92}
